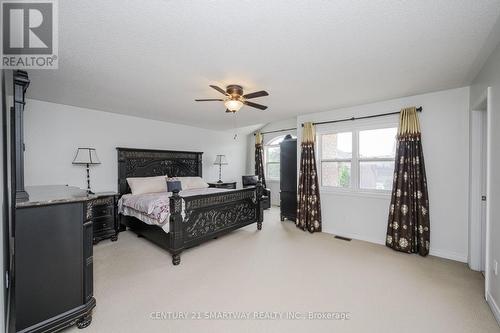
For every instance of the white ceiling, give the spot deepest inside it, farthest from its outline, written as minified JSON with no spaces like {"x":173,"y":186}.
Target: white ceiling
{"x":153,"y":58}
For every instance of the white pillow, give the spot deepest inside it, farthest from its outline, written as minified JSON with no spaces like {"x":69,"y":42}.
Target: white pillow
{"x":142,"y":185}
{"x":188,"y":183}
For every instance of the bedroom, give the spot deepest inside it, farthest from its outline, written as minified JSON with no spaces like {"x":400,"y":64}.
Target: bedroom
{"x":310,"y":243}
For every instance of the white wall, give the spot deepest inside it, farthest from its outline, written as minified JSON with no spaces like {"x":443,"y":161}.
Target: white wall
{"x":445,"y":130}
{"x":54,"y":131}
{"x":273,"y":185}
{"x":489,"y":76}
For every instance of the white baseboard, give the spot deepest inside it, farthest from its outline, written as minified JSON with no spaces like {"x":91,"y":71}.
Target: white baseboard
{"x":448,"y":255}
{"x":356,"y":237}
{"x":494,"y":307}
{"x":433,"y":252}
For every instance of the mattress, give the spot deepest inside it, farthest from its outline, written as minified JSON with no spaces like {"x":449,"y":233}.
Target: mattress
{"x":154,"y":208}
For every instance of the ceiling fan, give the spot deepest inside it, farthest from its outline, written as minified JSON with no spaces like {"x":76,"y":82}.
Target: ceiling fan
{"x":235,"y":99}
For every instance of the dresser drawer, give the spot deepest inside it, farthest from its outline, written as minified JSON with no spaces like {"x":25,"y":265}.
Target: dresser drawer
{"x":102,"y":211}
{"x":231,"y":185}
{"x":103,"y":224}
{"x":100,"y":207}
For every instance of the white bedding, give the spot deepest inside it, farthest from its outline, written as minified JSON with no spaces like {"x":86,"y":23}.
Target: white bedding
{"x":154,"y":208}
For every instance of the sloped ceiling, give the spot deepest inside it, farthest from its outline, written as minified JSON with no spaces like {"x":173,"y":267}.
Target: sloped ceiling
{"x":153,"y":58}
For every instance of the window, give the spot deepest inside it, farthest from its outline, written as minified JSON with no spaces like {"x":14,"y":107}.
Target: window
{"x":377,"y":149}
{"x":273,"y":162}
{"x":357,"y":158}
{"x":272,"y":158}
{"x":336,"y":159}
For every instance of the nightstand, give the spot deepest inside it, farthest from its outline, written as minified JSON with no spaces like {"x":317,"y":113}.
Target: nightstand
{"x":228,"y":185}
{"x":104,"y":216}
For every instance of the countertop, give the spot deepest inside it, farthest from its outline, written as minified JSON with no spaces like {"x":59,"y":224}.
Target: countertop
{"x":54,"y":194}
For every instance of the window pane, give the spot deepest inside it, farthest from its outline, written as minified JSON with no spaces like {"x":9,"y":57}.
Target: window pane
{"x":376,"y":175}
{"x":377,"y":143}
{"x":273,"y":154}
{"x":273,"y":170}
{"x":278,"y":140}
{"x":336,"y":146}
{"x":336,"y":174}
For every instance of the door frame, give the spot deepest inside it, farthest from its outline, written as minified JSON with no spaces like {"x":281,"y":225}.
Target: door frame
{"x":488,"y":194}
{"x":480,"y":162}
{"x":477,"y":169}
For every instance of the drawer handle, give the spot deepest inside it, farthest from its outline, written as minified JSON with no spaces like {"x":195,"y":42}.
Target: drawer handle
{"x":102,"y":212}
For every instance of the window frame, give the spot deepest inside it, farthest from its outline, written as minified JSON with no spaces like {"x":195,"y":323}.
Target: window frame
{"x":267,"y":163}
{"x":273,"y":143}
{"x":337,"y":160}
{"x":355,"y":127}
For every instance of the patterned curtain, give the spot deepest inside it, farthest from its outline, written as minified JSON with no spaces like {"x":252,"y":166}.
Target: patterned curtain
{"x":259,"y":158}
{"x":309,"y":207}
{"x":408,"y":227}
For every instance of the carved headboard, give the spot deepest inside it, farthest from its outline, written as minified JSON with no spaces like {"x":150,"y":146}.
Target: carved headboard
{"x":148,"y":163}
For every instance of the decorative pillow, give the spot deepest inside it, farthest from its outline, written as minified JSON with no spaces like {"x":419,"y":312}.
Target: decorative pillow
{"x":142,"y":185}
{"x":173,"y":185}
{"x":188,"y":183}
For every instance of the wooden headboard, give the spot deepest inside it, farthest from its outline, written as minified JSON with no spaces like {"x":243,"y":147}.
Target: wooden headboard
{"x":148,"y":163}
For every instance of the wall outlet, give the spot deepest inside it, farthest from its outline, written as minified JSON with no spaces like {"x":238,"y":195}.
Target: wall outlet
{"x":495,"y":267}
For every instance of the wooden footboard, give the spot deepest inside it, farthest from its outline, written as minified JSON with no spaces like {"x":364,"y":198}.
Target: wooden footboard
{"x":208,"y":216}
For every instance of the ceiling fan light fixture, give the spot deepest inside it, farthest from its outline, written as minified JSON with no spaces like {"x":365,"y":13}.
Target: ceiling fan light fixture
{"x":233,"y":104}
{"x":234,"y":98}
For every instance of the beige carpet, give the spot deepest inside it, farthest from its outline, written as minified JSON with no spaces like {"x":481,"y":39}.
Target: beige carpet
{"x":282,"y":269}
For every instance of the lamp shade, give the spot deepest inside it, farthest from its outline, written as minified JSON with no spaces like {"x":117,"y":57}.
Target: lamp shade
{"x":220,"y":160}
{"x":86,"y":156}
{"x":233,"y":104}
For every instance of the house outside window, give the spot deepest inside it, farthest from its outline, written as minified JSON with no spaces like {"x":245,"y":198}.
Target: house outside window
{"x":357,"y":157}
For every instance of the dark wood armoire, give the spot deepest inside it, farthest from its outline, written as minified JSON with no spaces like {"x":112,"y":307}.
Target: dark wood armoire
{"x":49,"y":266}
{"x":288,"y":178}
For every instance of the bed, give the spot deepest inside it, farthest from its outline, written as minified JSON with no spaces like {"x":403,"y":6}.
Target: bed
{"x":193,"y":217}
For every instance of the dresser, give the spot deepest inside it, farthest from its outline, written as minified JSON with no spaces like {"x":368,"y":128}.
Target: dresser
{"x":53,"y":281}
{"x":228,"y":185}
{"x":103,"y":210}
{"x":288,"y":178}
{"x":49,"y":271}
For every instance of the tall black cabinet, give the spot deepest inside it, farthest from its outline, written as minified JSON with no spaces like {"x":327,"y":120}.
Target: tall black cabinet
{"x":288,"y":178}
{"x":49,"y":266}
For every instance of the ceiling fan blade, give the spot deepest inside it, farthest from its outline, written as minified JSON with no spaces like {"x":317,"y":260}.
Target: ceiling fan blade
{"x":256,"y":94}
{"x":255,"y":105}
{"x":209,"y":99}
{"x":222,"y":91}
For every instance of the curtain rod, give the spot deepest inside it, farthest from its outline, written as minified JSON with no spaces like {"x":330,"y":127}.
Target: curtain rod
{"x":281,"y":130}
{"x":419,"y":109}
